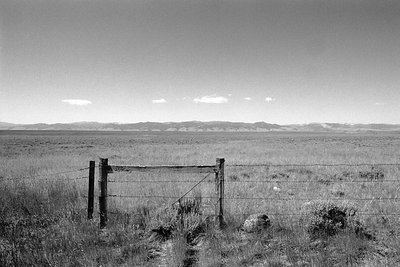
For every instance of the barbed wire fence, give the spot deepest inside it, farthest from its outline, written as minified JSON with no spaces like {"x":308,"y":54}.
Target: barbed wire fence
{"x":374,"y":176}
{"x":220,"y":181}
{"x":48,"y":176}
{"x":220,"y":197}
{"x":75,"y":174}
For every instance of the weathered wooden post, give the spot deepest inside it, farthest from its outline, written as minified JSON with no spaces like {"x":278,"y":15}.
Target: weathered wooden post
{"x":103,"y":169}
{"x":91,"y":190}
{"x":220,"y":190}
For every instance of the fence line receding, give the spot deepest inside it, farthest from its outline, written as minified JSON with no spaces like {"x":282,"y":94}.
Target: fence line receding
{"x":219,"y":170}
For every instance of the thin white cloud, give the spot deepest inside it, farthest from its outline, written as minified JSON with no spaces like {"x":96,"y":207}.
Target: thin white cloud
{"x":229,"y":94}
{"x":269,"y":99}
{"x":159,"y":101}
{"x":379,"y":104}
{"x":77,"y":102}
{"x":247,"y":98}
{"x":211,"y":99}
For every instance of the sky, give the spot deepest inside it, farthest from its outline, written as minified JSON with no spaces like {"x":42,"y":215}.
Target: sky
{"x":278,"y":61}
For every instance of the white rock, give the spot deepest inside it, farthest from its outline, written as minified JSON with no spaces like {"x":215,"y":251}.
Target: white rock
{"x":276,"y":189}
{"x":256,"y":222}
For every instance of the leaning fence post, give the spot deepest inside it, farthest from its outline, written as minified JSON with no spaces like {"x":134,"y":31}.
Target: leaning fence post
{"x":220,"y":190}
{"x":91,"y":190}
{"x":103,"y":168}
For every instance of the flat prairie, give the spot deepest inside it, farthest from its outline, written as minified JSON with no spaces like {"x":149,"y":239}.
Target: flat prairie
{"x":43,"y":184}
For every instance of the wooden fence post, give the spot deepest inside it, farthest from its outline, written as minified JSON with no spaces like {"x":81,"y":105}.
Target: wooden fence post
{"x":220,"y":181}
{"x":91,"y":190}
{"x":216,"y":206}
{"x":103,"y":168}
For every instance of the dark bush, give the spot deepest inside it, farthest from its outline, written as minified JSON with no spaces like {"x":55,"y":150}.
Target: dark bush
{"x":325,"y":218}
{"x":373,"y":174}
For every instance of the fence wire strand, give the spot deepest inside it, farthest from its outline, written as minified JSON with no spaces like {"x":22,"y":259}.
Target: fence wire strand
{"x":150,"y":181}
{"x":44,"y":175}
{"x":314,"y":181}
{"x":264,"y":198}
{"x":259,"y":181}
{"x":313,"y":165}
{"x":303,"y":214}
{"x":315,"y":199}
{"x":57,"y":179}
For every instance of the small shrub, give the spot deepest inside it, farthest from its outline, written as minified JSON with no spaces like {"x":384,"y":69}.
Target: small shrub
{"x":163,"y":233}
{"x":233,"y":177}
{"x":373,"y":174}
{"x":279,"y":175}
{"x":246,"y":175}
{"x":337,"y":193}
{"x":302,"y":171}
{"x":326,"y":218}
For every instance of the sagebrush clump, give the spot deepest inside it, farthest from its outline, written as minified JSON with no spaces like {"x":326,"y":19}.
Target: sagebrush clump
{"x":326,"y":218}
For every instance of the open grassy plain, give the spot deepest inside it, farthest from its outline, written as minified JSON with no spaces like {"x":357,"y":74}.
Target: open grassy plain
{"x":43,"y":216}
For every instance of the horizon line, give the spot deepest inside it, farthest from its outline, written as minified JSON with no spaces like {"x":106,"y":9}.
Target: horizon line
{"x":166,"y":122}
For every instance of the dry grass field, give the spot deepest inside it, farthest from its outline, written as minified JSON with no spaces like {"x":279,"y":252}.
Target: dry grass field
{"x":43,"y":204}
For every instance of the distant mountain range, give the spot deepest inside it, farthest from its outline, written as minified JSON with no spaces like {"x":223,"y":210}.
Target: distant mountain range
{"x":197,"y":126}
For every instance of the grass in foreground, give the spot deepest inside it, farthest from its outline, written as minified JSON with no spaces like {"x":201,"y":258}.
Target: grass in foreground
{"x":52,"y":230}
